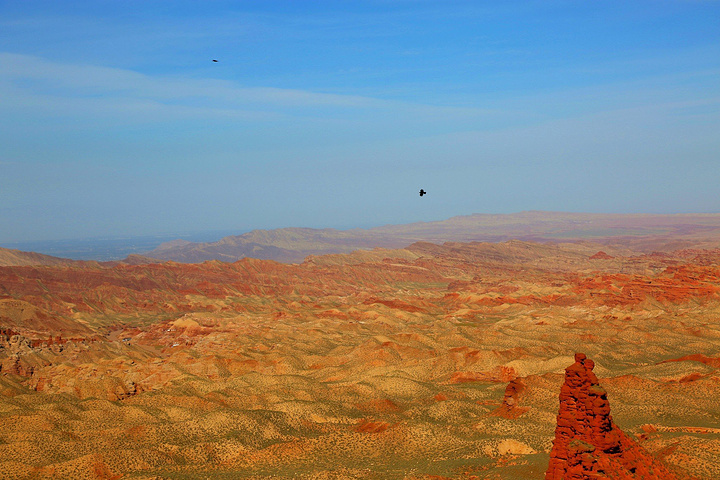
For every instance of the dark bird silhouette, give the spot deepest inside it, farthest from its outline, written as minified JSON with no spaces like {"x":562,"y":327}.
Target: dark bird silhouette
{"x":214,"y":60}
{"x":422,"y":192}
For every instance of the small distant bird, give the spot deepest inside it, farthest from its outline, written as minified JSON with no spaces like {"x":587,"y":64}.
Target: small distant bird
{"x":422,"y":192}
{"x":215,"y":60}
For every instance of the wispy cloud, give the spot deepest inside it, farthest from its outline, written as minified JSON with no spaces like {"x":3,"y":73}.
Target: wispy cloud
{"x":72,"y":80}
{"x":50,"y":89}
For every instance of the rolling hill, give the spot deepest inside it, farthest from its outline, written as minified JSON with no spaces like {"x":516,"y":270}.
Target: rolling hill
{"x":427,"y":362}
{"x":643,"y":233}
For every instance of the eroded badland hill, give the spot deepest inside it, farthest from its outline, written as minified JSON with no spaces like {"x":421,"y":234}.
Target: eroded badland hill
{"x":432,"y":361}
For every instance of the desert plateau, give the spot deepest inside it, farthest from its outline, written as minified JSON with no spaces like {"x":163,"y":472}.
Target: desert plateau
{"x":359,"y":240}
{"x":431,"y":361}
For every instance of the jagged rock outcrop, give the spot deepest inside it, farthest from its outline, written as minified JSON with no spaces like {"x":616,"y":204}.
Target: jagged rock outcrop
{"x":588,"y":445}
{"x":510,"y":407}
{"x":16,"y":365}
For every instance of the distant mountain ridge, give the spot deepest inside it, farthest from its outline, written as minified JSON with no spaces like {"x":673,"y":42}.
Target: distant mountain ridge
{"x":287,"y":245}
{"x":642,"y":232}
{"x":15,"y":258}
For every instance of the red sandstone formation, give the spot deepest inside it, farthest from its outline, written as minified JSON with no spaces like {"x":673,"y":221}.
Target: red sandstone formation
{"x":601,"y":256}
{"x":371,"y":426}
{"x":588,"y":445}
{"x":673,"y":285}
{"x":510,"y":408}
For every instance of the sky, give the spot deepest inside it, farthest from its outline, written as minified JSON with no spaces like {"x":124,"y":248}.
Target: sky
{"x":115,"y":121}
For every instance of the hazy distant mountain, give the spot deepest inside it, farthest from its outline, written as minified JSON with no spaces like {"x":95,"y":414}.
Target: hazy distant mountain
{"x":17,"y":258}
{"x":638,"y":231}
{"x":287,"y":245}
{"x":13,"y":258}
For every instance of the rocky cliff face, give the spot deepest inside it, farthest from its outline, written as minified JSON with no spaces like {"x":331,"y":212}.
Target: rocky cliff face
{"x":588,"y":445}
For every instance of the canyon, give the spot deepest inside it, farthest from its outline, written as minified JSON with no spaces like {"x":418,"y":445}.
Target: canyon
{"x":436,"y":360}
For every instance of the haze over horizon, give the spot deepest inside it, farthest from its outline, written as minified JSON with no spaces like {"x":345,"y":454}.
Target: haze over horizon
{"x":115,"y":121}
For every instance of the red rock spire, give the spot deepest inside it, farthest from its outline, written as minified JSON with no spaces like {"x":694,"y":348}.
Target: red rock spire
{"x":588,"y":445}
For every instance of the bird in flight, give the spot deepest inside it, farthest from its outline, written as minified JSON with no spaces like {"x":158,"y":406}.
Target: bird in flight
{"x":214,"y":60}
{"x":422,"y":192}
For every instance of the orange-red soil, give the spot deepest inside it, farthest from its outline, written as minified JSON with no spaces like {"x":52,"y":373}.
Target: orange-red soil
{"x":436,"y":360}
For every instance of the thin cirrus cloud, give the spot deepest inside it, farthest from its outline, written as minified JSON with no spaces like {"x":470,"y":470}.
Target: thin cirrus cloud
{"x":38,"y":90}
{"x":39,"y":75}
{"x":72,"y":101}
{"x":34,"y":75}
{"x":65,"y":89}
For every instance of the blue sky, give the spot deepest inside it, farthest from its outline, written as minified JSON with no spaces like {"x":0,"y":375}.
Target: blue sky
{"x":115,"y":121}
